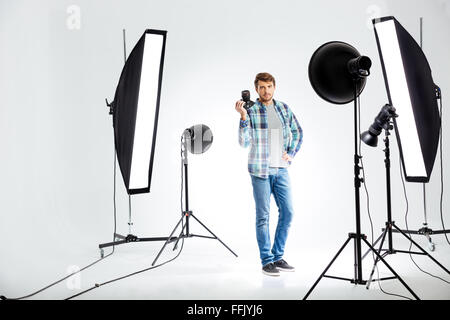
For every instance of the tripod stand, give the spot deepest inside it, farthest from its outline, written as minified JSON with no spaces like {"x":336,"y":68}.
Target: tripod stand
{"x":357,"y":237}
{"x":390,"y":225}
{"x":187,"y":214}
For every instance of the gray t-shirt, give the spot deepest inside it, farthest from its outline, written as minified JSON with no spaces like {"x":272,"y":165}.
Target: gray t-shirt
{"x":276,"y":143}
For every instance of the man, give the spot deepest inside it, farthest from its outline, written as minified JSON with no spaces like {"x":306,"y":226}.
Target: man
{"x":274,"y":136}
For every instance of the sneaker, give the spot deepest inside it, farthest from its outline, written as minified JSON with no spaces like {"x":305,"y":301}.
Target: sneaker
{"x":283,"y":266}
{"x":270,"y":270}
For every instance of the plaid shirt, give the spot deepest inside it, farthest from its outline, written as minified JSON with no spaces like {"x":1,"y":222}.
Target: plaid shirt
{"x":254,"y":132}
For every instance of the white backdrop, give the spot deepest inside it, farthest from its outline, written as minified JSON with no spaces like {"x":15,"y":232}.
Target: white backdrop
{"x":59,"y":60}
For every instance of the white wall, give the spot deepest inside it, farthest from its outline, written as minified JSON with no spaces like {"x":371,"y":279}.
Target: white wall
{"x":56,"y":136}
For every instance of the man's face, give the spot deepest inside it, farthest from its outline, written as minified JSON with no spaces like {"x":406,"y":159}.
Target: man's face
{"x":265,"y":90}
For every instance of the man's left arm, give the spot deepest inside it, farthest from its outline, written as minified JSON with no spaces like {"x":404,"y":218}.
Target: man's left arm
{"x":297,"y":135}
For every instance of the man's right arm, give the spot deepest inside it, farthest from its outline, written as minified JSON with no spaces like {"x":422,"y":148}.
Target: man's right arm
{"x":244,"y":124}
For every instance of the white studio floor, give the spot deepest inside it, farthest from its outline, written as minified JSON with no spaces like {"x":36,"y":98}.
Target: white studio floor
{"x":205,"y":270}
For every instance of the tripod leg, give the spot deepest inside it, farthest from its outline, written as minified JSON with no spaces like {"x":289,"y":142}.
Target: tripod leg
{"x":167,"y":241}
{"x":326,"y":269}
{"x":410,"y":239}
{"x":390,"y":269}
{"x":376,"y":260}
{"x":178,"y":239}
{"x":374,"y":244}
{"x":214,"y":235}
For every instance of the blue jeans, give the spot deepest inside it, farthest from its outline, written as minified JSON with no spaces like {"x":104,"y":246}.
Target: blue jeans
{"x":277,"y":183}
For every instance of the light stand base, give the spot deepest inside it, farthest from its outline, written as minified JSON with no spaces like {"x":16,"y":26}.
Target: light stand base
{"x":358,"y":277}
{"x":427,"y":232}
{"x":185,"y":216}
{"x":120,"y":239}
{"x":391,"y":227}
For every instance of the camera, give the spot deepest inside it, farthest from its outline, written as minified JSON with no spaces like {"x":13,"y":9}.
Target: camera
{"x":246,"y":98}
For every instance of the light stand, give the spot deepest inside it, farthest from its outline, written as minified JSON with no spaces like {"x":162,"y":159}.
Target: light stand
{"x":425,"y":230}
{"x":125,"y":104}
{"x":390,"y":225}
{"x":411,"y":89}
{"x":187,"y":214}
{"x":358,"y":236}
{"x":338,"y":72}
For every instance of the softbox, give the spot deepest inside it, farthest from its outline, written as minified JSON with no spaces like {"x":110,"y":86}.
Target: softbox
{"x":412,"y":92}
{"x":135,"y":110}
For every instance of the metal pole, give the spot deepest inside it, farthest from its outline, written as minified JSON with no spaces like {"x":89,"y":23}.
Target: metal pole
{"x":130,"y":222}
{"x":186,"y":212}
{"x":387,"y":162}
{"x":124,"y":47}
{"x":421,"y":29}
{"x":423,"y":184}
{"x":358,"y":261}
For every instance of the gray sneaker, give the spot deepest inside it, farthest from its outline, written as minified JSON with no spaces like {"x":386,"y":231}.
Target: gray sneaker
{"x":283,"y":266}
{"x":270,"y":270}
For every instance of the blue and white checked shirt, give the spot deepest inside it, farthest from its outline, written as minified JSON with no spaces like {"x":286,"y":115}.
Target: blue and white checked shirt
{"x":254,"y":132}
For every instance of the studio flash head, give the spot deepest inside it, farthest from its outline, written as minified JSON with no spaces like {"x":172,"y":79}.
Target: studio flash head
{"x":382,"y":121}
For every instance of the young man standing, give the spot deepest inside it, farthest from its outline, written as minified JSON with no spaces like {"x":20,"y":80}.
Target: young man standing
{"x":274,"y":136}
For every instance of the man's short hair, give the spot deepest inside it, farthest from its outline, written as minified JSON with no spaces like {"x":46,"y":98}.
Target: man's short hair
{"x":264,"y":76}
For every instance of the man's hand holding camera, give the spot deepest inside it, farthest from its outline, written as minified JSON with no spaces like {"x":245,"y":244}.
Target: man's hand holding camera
{"x":240,"y":108}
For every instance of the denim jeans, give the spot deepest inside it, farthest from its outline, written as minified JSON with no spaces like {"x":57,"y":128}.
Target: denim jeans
{"x":277,"y":183}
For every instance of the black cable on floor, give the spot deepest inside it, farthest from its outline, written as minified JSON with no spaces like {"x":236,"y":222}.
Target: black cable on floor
{"x":97,"y":285}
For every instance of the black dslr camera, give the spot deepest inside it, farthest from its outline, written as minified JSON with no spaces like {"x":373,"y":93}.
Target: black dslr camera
{"x":246,"y":98}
